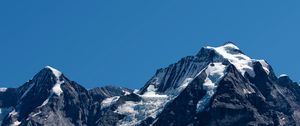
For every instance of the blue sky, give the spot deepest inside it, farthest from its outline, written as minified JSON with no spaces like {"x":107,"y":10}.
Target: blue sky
{"x":123,"y":42}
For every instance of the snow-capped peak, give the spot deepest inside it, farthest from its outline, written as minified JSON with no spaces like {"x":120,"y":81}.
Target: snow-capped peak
{"x":236,"y":57}
{"x":56,"y":88}
{"x":56,"y":72}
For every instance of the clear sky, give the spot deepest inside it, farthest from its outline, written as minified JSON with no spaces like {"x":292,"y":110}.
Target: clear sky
{"x":123,"y":42}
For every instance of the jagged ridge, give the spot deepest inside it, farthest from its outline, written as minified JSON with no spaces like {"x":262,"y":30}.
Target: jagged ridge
{"x":217,"y":86}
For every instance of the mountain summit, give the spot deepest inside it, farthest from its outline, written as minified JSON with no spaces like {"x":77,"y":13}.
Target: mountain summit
{"x":217,"y":86}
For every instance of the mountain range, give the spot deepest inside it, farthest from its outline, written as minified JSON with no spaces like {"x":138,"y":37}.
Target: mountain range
{"x":219,"y":86}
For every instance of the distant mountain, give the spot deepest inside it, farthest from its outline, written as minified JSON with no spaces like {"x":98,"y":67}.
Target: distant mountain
{"x":219,"y":86}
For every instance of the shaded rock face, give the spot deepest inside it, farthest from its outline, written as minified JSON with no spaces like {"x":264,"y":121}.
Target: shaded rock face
{"x":100,"y":93}
{"x":219,"y":86}
{"x":8,"y":98}
{"x":36,"y":102}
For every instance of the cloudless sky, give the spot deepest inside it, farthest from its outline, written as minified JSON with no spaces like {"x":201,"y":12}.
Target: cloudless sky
{"x":123,"y":42}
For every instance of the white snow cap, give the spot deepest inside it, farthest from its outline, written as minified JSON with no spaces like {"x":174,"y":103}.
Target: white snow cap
{"x":241,"y":61}
{"x":56,"y":88}
{"x":232,"y":53}
{"x":56,"y":72}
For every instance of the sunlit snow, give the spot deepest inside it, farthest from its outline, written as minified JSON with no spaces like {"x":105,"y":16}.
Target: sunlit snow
{"x":109,"y":101}
{"x":232,"y":53}
{"x":56,"y":88}
{"x":283,"y":75}
{"x":214,"y":74}
{"x":265,"y":66}
{"x":3,"y":89}
{"x":135,"y":112}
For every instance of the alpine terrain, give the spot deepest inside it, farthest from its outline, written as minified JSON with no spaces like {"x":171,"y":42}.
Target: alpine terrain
{"x":219,"y":86}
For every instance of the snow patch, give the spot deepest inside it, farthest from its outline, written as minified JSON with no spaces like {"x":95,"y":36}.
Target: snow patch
{"x":127,"y":108}
{"x":13,"y":113}
{"x":246,"y":91}
{"x":283,"y":75}
{"x":214,"y":74}
{"x":126,"y":92}
{"x":35,"y":114}
{"x":136,"y":91}
{"x":151,"y":88}
{"x":265,"y":66}
{"x":109,"y":101}
{"x":16,"y":123}
{"x":56,"y":72}
{"x":57,"y":87}
{"x":3,"y":89}
{"x":45,"y":102}
{"x":185,"y":84}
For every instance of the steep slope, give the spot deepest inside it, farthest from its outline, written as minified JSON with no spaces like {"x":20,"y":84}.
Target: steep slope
{"x":50,"y":98}
{"x":7,"y":99}
{"x":249,"y":93}
{"x":217,"y":86}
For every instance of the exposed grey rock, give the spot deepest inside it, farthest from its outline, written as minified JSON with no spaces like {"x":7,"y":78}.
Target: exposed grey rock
{"x":240,"y":99}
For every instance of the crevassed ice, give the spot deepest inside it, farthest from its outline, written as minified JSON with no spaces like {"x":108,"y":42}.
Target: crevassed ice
{"x":214,"y":74}
{"x":151,"y":105}
{"x":153,"y":102}
{"x":135,"y":112}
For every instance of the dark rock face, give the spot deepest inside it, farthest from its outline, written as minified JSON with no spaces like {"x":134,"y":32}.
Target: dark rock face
{"x":231,"y":105}
{"x":187,"y":93}
{"x":182,"y":110}
{"x":100,"y":93}
{"x":174,"y":74}
{"x":105,"y":117}
{"x":8,"y":98}
{"x":34,"y":103}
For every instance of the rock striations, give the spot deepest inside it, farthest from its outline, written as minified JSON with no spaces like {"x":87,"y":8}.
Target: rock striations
{"x":219,"y":86}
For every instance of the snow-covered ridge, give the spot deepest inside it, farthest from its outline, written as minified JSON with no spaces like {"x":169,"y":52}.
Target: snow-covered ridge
{"x":56,"y":88}
{"x":3,"y":89}
{"x":241,"y":61}
{"x":56,"y":72}
{"x":283,"y":75}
